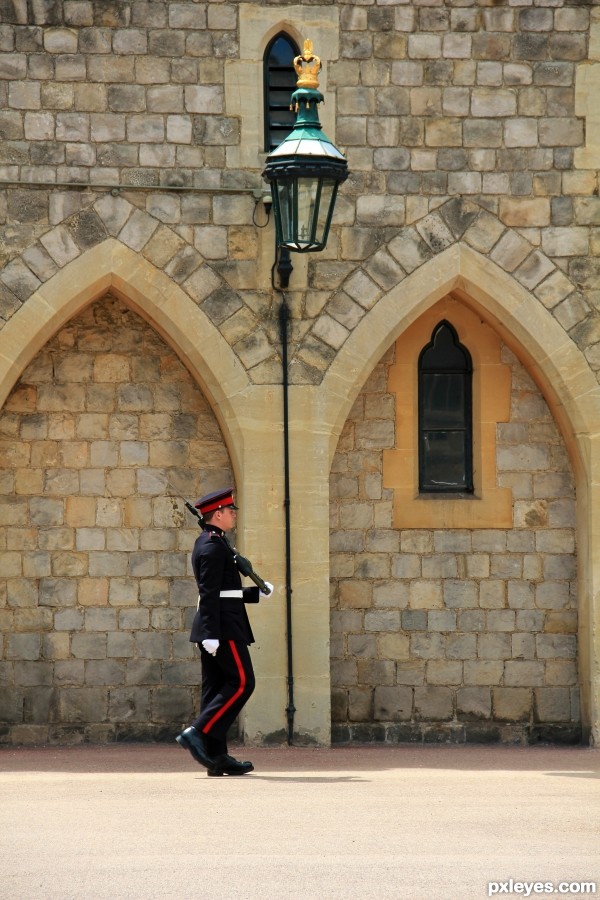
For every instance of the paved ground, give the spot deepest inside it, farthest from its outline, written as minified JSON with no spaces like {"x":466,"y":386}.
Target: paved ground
{"x":144,"y":821}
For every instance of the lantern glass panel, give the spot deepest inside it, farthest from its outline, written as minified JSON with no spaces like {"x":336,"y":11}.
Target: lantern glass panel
{"x":286,"y":210}
{"x":328,"y":192}
{"x":308,"y":199}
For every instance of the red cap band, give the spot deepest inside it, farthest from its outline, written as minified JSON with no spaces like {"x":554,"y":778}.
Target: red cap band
{"x":217,"y":500}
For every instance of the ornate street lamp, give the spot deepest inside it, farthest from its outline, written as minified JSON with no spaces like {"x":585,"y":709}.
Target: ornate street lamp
{"x":306,"y":168}
{"x":304,"y":172}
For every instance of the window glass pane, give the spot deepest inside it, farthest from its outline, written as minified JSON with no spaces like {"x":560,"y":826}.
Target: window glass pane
{"x":443,"y":461}
{"x":443,"y":398}
{"x":282,"y":53}
{"x":444,"y":352}
{"x":445,"y":425}
{"x":279,"y":102}
{"x":279,"y":84}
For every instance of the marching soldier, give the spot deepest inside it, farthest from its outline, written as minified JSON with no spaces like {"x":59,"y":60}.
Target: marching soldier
{"x":222,"y":631}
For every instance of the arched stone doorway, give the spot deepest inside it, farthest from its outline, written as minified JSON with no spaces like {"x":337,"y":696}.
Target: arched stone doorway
{"x":202,"y":355}
{"x":454,"y":617}
{"x":102,"y":435}
{"x":553,"y":362}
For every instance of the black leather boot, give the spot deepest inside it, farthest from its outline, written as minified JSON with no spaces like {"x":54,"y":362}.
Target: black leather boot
{"x":227,"y":765}
{"x":193,"y":740}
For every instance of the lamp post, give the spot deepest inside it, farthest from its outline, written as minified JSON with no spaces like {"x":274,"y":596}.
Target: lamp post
{"x":306,"y":169}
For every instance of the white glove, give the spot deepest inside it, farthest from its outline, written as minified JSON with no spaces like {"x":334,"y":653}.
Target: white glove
{"x":269,"y":590}
{"x":211,"y":645}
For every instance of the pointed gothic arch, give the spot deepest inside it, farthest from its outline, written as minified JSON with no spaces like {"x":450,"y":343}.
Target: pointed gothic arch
{"x":552,"y":359}
{"x":112,"y":266}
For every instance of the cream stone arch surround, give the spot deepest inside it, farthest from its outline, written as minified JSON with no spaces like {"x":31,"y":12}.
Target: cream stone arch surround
{"x":244,"y":82}
{"x":247,"y":414}
{"x":244,"y":76}
{"x":112,"y":266}
{"x":587,"y":84}
{"x":553,"y":360}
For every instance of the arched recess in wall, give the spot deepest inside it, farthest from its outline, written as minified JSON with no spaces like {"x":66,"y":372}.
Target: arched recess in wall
{"x":551,"y":358}
{"x":150,"y":293}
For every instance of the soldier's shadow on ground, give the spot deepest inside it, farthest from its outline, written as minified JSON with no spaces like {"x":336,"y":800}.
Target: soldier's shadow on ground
{"x":298,"y":779}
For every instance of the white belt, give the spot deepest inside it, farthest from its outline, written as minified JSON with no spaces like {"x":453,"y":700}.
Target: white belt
{"x":239,"y":595}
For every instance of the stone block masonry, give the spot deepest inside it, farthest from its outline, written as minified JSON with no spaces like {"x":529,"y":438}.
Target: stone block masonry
{"x":471,"y":131}
{"x":97,"y":594}
{"x":108,"y":92}
{"x":460,"y":634}
{"x":432,"y":101}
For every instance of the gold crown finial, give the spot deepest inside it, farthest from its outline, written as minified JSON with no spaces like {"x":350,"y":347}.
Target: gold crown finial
{"x":307,"y":67}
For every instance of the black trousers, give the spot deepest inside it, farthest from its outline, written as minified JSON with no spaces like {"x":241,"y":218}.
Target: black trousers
{"x":227,"y":684}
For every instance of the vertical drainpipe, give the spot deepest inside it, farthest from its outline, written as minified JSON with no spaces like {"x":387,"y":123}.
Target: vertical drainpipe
{"x":284,"y":270}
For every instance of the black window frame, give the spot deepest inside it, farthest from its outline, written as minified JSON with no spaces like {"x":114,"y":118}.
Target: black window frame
{"x":278,"y":79}
{"x":429,"y":366}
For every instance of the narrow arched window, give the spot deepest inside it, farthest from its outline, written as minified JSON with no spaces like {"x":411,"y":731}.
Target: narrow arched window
{"x":279,"y":85}
{"x":445,"y":414}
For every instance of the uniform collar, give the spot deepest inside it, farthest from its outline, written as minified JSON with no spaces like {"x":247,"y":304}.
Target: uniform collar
{"x":215,"y":528}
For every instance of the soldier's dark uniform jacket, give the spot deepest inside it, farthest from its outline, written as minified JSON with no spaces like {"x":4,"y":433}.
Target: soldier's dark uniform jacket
{"x":220,"y":616}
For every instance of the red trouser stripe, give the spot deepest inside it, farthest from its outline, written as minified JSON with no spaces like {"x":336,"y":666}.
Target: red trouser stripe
{"x":237,"y":694}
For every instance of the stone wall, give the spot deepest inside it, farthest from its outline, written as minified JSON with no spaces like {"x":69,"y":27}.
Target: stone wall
{"x":97,"y":593}
{"x":454,"y":634}
{"x":432,"y":101}
{"x":124,"y":126}
{"x":109,"y":91}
